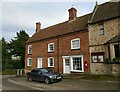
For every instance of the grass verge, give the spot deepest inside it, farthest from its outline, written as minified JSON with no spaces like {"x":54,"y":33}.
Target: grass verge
{"x":92,"y":77}
{"x":9,"y":72}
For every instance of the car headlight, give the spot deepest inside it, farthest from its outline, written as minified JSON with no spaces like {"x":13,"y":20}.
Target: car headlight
{"x":52,"y":77}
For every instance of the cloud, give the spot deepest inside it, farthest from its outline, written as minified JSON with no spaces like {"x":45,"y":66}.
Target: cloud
{"x":24,"y":15}
{"x":54,"y":0}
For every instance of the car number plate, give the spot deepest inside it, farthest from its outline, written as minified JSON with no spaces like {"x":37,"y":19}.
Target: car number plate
{"x":58,"y":77}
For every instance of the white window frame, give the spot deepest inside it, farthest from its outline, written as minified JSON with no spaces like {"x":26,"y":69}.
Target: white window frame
{"x":29,"y":46}
{"x":81,"y":62}
{"x":72,"y":43}
{"x":49,"y":61}
{"x":49,"y":50}
{"x":28,"y":62}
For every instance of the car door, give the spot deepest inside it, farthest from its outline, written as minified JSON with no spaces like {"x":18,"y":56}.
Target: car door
{"x":39,"y":76}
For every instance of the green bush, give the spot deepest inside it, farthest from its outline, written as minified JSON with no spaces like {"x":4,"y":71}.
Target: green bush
{"x":113,"y":61}
{"x":9,"y":72}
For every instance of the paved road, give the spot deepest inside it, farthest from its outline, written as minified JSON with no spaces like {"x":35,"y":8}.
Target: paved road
{"x":66,"y":84}
{"x":7,"y":85}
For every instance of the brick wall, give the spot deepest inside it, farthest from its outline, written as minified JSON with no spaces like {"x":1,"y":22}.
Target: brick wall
{"x":62,"y":47}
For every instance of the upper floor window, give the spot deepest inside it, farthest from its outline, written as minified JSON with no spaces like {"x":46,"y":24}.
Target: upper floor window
{"x":101,"y":29}
{"x":50,"y":47}
{"x":75,"y":43}
{"x":29,"y":61}
{"x":29,"y":49}
{"x":51,"y":62}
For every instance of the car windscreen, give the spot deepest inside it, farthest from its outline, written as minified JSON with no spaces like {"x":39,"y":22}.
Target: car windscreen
{"x":44,"y":71}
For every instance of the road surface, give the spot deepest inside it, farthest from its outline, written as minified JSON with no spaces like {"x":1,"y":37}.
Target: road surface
{"x":8,"y":86}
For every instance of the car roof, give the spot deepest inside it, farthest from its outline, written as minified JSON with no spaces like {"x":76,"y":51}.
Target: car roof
{"x":38,"y":68}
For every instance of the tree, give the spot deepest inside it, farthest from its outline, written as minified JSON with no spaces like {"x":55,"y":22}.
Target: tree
{"x":5,"y":55}
{"x":17,"y":45}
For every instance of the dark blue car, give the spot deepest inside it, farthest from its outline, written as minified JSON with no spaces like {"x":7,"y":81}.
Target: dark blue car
{"x":43,"y":75}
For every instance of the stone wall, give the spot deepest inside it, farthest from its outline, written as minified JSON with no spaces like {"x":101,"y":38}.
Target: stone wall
{"x":116,"y":69}
{"x":110,"y":27}
{"x":96,"y":44}
{"x":105,"y":69}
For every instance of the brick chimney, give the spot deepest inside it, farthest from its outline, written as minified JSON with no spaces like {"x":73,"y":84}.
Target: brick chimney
{"x":72,"y":14}
{"x":38,"y":26}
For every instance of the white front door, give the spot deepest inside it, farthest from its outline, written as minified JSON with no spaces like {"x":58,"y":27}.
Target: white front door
{"x":66,"y":65}
{"x":39,"y":63}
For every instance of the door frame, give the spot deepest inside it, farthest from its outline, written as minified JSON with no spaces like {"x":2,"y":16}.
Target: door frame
{"x":71,"y":63}
{"x":38,"y":62}
{"x":65,"y":57}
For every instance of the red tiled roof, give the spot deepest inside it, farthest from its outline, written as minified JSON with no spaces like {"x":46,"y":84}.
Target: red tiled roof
{"x":79,"y":24}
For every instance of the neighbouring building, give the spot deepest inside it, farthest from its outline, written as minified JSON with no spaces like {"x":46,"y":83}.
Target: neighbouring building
{"x":63,"y":47}
{"x":79,"y":45}
{"x":104,"y":37}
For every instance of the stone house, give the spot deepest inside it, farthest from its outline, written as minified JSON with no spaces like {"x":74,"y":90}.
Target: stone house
{"x":63,"y":47}
{"x":104,"y":36}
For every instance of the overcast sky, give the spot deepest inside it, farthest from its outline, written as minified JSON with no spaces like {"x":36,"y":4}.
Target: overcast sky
{"x":17,"y":15}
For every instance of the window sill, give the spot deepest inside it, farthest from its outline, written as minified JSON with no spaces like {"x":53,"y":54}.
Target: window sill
{"x":76,"y":71}
{"x":50,"y":66}
{"x":75,"y":48}
{"x":50,"y":51}
{"x":29,"y":54}
{"x":29,"y":66}
{"x":97,"y":62}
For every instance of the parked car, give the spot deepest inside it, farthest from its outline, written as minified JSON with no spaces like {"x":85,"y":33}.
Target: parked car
{"x":43,"y":75}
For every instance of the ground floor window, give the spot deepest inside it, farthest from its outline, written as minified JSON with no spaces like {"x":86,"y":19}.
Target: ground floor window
{"x":77,"y":63}
{"x":29,"y":61}
{"x":73,"y":64}
{"x":97,"y":57}
{"x":51,"y":62}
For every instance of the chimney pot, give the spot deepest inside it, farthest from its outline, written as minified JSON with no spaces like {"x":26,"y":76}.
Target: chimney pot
{"x":72,"y":14}
{"x":38,"y":26}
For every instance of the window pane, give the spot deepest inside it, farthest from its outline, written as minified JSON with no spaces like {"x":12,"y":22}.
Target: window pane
{"x":94,"y":58}
{"x":76,"y":43}
{"x":67,"y":63}
{"x":29,"y":49}
{"x":51,"y":62}
{"x":77,"y":63}
{"x":29,"y":62}
{"x":100,"y":58}
{"x":101,"y":29}
{"x":50,"y":47}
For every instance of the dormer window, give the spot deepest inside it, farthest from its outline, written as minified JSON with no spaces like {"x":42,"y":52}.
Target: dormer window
{"x":50,"y":47}
{"x":75,"y":43}
{"x":101,"y":29}
{"x":29,"y":49}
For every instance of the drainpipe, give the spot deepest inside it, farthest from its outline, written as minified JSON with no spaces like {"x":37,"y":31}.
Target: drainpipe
{"x":58,"y":53}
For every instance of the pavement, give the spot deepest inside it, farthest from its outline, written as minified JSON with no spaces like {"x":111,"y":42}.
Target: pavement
{"x":67,"y":84}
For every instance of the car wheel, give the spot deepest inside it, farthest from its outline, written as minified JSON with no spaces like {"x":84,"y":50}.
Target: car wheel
{"x":29,"y":79}
{"x":47,"y":80}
